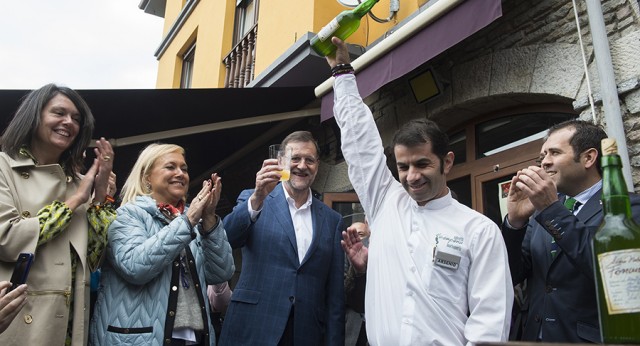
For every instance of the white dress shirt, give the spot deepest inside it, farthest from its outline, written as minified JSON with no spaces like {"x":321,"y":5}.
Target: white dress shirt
{"x":437,"y":274}
{"x":302,"y":221}
{"x":584,"y":196}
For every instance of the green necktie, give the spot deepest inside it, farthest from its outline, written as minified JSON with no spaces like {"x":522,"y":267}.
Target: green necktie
{"x":570,"y":203}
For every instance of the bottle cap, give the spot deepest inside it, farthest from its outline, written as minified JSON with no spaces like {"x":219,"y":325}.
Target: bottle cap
{"x":609,"y":146}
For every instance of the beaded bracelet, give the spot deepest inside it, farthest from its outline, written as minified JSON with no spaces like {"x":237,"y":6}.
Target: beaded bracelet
{"x":341,"y":66}
{"x":341,"y":69}
{"x":108,"y":200}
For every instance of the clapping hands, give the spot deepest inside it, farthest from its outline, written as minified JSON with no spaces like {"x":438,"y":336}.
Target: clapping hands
{"x":203,"y":206}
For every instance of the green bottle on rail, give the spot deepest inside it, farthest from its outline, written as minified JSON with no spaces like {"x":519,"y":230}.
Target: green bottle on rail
{"x":616,"y":250}
{"x":342,"y":26}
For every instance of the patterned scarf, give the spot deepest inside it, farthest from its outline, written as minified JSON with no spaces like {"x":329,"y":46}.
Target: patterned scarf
{"x":171,"y":211}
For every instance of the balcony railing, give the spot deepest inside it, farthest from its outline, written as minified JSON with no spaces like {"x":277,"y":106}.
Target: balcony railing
{"x":240,"y":62}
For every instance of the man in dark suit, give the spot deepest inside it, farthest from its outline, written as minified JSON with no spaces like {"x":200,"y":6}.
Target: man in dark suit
{"x":549,"y":240}
{"x":290,"y":290}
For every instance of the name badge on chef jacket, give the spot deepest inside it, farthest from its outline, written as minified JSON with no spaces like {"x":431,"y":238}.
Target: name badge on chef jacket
{"x":447,"y":260}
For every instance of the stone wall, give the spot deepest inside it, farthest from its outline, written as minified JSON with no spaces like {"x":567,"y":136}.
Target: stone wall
{"x":529,"y":55}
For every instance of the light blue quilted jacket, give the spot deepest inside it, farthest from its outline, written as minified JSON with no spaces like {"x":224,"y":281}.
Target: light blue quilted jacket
{"x":138,"y":290}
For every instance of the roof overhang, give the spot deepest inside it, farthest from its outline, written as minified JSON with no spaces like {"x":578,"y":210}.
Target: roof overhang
{"x":215,"y":126}
{"x":438,"y":27}
{"x":154,"y":7}
{"x":299,"y":65}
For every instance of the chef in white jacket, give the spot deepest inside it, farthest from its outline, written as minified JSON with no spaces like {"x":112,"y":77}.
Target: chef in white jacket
{"x":437,"y":271}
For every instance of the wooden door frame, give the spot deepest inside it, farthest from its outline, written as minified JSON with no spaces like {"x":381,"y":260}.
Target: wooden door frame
{"x":330,"y":197}
{"x":491,"y":167}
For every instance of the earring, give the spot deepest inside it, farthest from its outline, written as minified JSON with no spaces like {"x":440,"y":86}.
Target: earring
{"x":148,"y":187}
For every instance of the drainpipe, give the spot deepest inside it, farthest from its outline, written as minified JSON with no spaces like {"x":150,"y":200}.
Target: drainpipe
{"x":608,"y":87}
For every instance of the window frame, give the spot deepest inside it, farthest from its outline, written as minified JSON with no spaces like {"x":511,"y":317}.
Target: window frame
{"x":241,"y":25}
{"x":188,"y":62}
{"x":501,"y":164}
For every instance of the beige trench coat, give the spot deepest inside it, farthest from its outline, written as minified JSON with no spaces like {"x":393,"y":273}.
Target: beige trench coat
{"x":24,"y":190}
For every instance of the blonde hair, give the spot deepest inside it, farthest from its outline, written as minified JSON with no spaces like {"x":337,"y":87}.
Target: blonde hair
{"x":136,"y":184}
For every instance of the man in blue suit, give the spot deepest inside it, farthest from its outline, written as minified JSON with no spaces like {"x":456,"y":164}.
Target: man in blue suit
{"x":549,"y":241}
{"x":290,"y":290}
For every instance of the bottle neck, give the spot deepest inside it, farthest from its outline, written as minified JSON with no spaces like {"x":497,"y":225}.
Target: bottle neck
{"x":615,"y":197}
{"x":363,"y":8}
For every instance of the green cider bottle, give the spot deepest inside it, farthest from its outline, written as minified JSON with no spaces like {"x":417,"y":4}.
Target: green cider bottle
{"x":616,"y":249}
{"x":342,"y":26}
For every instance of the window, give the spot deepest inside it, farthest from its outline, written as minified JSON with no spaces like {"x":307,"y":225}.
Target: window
{"x":347,"y":204}
{"x":489,"y":150}
{"x":458,"y":144}
{"x":187,"y":67}
{"x":246,"y":17}
{"x":461,"y":190}
{"x":504,"y":133}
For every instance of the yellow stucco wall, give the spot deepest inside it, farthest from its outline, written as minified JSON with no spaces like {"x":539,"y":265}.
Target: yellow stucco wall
{"x":381,"y":10}
{"x":210,"y":25}
{"x":215,"y":37}
{"x":171,"y":12}
{"x":280,"y":24}
{"x":369,"y":30}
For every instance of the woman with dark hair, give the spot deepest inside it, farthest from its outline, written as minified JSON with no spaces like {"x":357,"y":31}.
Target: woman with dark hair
{"x":46,"y":209}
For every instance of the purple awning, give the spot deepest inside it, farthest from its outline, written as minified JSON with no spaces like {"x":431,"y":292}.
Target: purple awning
{"x":461,"y":22}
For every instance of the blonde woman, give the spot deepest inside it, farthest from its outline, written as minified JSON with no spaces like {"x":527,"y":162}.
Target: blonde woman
{"x":161,"y":255}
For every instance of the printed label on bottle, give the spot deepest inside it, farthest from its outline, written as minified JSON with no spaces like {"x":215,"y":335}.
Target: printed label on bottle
{"x":620,"y":271}
{"x":328,"y":30}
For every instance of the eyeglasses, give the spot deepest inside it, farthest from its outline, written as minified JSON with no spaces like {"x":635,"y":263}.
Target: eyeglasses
{"x":310,"y":161}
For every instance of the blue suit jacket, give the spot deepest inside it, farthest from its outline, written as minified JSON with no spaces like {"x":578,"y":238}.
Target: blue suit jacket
{"x":273,"y":280}
{"x":561,"y":291}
